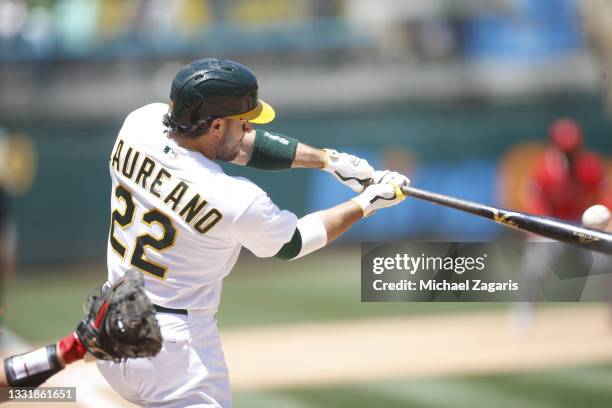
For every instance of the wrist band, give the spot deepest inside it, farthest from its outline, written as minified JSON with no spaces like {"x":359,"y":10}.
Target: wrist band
{"x":272,"y":151}
{"x":33,"y":368}
{"x":71,"y":348}
{"x":327,"y":153}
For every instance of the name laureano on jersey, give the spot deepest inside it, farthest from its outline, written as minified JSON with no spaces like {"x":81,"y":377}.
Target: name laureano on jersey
{"x":151,"y":175}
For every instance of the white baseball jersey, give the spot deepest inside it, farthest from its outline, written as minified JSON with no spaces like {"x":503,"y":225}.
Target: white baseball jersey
{"x":177,"y":217}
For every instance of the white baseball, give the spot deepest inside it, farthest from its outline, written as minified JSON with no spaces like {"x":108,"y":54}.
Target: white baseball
{"x":596,"y":216}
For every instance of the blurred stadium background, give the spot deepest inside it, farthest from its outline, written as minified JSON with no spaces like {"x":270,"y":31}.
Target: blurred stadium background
{"x":458,"y":94}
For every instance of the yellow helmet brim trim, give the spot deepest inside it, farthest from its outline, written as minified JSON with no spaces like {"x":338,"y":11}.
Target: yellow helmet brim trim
{"x":263,"y":113}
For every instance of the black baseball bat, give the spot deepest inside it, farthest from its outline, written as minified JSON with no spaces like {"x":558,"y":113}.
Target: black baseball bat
{"x":587,"y":238}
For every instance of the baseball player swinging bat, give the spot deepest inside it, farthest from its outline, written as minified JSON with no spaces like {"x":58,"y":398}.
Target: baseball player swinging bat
{"x":547,"y":227}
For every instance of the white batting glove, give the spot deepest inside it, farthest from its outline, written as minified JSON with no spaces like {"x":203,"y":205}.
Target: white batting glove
{"x":386,"y":192}
{"x":348,"y":169}
{"x":385,"y":176}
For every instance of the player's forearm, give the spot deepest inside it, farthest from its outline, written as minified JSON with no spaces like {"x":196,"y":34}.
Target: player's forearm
{"x":273,"y":151}
{"x":318,"y":229}
{"x":309,"y":157}
{"x":338,"y":219}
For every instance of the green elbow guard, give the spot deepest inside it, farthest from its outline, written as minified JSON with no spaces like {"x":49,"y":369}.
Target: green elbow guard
{"x":272,"y":151}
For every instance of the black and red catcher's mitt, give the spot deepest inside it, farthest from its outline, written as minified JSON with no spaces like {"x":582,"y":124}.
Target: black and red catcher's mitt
{"x":120,"y":321}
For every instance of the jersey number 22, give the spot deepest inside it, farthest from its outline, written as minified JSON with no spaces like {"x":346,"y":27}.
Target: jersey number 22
{"x":154,"y":216}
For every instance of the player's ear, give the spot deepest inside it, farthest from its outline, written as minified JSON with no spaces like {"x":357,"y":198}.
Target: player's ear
{"x":217,"y":126}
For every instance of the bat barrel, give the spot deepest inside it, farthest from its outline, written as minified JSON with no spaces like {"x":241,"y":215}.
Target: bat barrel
{"x":548,"y":227}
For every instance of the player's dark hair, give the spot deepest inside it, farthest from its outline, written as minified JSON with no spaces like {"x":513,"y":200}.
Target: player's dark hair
{"x":191,"y":132}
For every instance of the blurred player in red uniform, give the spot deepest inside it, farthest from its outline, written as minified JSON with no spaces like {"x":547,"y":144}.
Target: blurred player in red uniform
{"x":567,"y":178}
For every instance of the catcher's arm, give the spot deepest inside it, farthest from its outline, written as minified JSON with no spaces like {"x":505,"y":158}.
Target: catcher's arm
{"x":34,"y":367}
{"x":273,"y":151}
{"x":120,"y":324}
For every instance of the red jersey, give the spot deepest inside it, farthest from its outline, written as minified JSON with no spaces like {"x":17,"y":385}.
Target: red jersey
{"x":563,"y":191}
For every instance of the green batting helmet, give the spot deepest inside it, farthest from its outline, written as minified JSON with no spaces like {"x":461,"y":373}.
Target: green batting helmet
{"x":216,"y":88}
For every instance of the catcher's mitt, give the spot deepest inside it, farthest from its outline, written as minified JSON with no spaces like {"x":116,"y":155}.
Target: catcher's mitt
{"x":120,"y":321}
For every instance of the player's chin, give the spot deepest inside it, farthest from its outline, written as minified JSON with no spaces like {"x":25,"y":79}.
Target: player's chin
{"x":228,"y":156}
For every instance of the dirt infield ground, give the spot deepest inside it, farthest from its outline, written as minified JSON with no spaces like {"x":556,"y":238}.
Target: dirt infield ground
{"x":377,"y":349}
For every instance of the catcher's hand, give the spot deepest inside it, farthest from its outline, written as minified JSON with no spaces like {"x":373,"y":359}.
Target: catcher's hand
{"x":121,"y":321}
